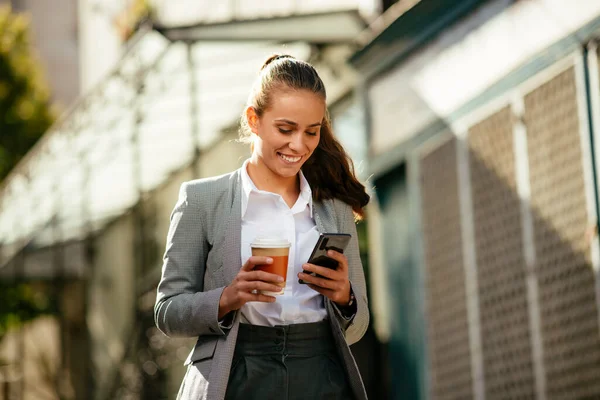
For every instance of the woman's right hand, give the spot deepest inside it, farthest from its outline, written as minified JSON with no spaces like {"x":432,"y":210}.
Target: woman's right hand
{"x":246,"y":286}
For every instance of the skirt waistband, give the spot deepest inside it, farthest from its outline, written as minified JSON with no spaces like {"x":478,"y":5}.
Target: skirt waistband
{"x":296,"y":339}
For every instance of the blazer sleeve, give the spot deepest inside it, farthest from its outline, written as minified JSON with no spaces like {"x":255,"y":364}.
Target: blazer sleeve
{"x":357,"y":326}
{"x":182,"y":308}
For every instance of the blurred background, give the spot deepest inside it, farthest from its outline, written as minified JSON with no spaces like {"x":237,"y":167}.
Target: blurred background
{"x":474,"y":123}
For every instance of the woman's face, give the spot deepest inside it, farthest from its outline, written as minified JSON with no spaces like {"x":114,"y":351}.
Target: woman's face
{"x":288,"y":132}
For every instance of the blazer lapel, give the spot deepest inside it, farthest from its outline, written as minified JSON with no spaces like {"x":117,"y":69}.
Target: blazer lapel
{"x":325,"y":217}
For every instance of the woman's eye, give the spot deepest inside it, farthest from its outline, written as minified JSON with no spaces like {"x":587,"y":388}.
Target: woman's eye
{"x":285,"y":130}
{"x":312,"y":133}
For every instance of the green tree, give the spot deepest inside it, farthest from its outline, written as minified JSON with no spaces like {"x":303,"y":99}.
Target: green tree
{"x":25,"y":111}
{"x":23,"y":302}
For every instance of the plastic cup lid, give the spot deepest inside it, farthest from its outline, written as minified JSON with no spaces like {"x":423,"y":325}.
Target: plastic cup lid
{"x":270,"y":243}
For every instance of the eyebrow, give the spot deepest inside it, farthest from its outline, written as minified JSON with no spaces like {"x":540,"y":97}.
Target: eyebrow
{"x":287,"y":121}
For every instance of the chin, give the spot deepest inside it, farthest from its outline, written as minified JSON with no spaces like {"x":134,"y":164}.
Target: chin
{"x":287,"y":172}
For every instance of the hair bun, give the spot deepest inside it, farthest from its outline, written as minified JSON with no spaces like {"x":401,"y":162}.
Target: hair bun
{"x":273,"y":58}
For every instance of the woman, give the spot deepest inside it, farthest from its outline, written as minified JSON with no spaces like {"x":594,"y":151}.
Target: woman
{"x":297,"y":183}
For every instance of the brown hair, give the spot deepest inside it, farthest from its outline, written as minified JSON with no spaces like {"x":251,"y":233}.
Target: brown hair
{"x":329,"y":170}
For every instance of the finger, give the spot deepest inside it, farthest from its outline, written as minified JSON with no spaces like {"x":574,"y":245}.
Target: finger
{"x":264,"y":276}
{"x":335,"y":296}
{"x":323,"y":271}
{"x":249,"y":286}
{"x":339,"y":257}
{"x":317,"y":281}
{"x":253,"y":261}
{"x":257,"y":297}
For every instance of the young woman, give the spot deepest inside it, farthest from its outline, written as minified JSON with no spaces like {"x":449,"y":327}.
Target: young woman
{"x":298,"y":183}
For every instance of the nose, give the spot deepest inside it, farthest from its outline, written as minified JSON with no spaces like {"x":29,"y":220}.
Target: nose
{"x":297,"y":142}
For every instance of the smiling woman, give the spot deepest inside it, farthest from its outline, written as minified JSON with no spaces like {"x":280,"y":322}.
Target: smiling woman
{"x":297,"y":184}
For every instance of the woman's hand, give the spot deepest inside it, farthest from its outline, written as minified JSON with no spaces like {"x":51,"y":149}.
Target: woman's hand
{"x":246,"y":284}
{"x":333,"y":283}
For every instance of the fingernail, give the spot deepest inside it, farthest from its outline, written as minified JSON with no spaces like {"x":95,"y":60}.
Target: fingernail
{"x":329,"y":252}
{"x":269,"y":260}
{"x":279,"y":279}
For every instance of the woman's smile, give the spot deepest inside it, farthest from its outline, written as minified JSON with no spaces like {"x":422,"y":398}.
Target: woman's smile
{"x":289,"y":159}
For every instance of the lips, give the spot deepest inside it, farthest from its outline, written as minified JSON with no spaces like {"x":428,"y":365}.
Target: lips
{"x":289,"y":159}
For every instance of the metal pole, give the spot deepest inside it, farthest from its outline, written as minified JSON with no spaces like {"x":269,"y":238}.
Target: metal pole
{"x":20,"y":266}
{"x":88,"y":268}
{"x":591,"y":66}
{"x":18,"y":273}
{"x":137,"y":182}
{"x":58,"y":284}
{"x":5,"y":388}
{"x":139,"y":252}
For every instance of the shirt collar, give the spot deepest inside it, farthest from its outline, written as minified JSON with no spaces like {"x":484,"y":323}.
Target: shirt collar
{"x":248,"y":187}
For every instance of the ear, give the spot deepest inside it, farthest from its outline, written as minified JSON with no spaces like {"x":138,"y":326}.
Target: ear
{"x":252,"y":119}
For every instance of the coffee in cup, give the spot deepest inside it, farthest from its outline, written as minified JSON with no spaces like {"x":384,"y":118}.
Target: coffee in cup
{"x":278,"y":250}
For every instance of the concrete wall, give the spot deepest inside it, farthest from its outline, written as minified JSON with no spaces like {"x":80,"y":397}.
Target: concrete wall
{"x":112,"y":300}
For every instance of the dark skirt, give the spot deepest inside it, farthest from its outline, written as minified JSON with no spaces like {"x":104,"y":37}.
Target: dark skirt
{"x":289,"y":362}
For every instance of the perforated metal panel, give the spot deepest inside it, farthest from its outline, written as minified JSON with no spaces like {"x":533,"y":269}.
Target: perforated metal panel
{"x":448,"y":334}
{"x":569,"y":317}
{"x":504,"y":317}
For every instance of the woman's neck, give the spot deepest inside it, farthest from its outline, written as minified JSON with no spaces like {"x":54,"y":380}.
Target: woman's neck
{"x":265,"y":179}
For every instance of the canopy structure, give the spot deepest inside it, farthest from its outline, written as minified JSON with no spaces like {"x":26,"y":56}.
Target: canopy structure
{"x":338,"y":27}
{"x":263,"y":15}
{"x":164,"y":103}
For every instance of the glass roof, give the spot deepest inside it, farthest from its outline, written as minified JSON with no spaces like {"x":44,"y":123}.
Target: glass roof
{"x":127,"y":136}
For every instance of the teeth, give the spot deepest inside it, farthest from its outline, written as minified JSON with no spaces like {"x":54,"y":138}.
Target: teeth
{"x":290,"y":159}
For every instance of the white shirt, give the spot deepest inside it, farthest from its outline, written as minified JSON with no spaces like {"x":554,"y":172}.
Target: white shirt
{"x":266,"y":213}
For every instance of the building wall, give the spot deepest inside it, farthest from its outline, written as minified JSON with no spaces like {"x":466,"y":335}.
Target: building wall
{"x":496,"y":134}
{"x":460,"y":64}
{"x":55,"y":37}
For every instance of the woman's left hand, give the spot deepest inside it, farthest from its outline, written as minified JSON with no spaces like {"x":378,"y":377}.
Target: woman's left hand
{"x":332,"y":283}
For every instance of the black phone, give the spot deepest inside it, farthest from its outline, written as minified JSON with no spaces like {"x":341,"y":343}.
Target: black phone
{"x":327,"y":241}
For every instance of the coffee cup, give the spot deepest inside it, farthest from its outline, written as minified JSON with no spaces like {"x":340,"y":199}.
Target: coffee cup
{"x":277,"y":249}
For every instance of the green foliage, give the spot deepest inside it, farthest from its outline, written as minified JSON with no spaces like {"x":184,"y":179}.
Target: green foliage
{"x":25,"y":112}
{"x":22,"y":302}
{"x":132,"y":17}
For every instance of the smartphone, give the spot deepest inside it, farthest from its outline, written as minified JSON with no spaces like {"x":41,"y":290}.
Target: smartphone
{"x":327,"y":241}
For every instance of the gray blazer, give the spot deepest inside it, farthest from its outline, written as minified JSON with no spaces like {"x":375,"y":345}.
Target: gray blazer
{"x":203,"y":256}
